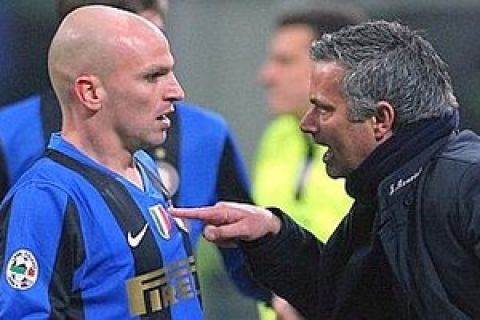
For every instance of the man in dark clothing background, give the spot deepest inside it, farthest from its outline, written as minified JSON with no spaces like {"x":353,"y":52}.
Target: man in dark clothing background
{"x":383,"y":104}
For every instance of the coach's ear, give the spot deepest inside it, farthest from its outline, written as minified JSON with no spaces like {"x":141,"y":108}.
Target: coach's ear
{"x":89,"y":91}
{"x":383,"y":121}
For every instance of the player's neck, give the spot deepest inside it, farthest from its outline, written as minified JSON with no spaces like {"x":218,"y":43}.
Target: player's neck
{"x":111,"y":154}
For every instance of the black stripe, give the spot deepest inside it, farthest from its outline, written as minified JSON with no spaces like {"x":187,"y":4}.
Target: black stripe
{"x":51,"y":117}
{"x":229,"y":185}
{"x":172,"y":147}
{"x":187,"y":243}
{"x":3,"y":174}
{"x":4,"y":218}
{"x":65,"y":302}
{"x":129,"y":217}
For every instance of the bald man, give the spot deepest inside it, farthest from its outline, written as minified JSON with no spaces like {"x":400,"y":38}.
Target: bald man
{"x":86,"y":233}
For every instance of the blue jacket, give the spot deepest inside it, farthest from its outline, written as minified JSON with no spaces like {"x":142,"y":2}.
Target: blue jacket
{"x":426,"y":239}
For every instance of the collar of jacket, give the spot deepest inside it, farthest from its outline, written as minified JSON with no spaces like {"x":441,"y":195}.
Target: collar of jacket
{"x":399,"y":184}
{"x":404,"y":145}
{"x":397,"y":196}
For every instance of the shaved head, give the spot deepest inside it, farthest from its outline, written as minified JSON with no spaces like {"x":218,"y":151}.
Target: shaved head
{"x":93,"y":40}
{"x":112,"y":71}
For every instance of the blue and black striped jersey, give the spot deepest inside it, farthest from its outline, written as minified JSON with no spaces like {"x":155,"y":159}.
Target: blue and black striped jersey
{"x":200,"y":162}
{"x":67,"y":252}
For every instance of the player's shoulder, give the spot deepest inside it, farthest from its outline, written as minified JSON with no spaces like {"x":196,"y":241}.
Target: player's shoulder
{"x":197,"y":112}
{"x":17,"y":108}
{"x":18,"y":115}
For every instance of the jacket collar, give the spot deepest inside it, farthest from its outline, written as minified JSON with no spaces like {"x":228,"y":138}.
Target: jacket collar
{"x":402,"y":180}
{"x":405,"y":144}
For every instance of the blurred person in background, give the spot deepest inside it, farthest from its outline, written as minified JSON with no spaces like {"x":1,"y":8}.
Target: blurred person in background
{"x":289,"y":172}
{"x":199,"y":162}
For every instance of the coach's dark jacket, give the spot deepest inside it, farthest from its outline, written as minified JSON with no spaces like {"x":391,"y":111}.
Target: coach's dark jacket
{"x":419,"y":259}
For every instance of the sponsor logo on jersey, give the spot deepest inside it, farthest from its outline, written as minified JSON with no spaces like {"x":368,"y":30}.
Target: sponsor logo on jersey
{"x":22,"y":270}
{"x":154,"y":291}
{"x":162,"y":220}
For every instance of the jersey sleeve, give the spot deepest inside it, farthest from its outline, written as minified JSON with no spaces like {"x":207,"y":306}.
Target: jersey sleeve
{"x":31,"y":223}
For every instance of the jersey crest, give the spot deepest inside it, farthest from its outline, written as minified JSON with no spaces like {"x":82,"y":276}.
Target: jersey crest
{"x":161,"y":219}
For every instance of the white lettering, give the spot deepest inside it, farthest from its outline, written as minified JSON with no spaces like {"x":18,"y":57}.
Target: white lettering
{"x":394,"y":187}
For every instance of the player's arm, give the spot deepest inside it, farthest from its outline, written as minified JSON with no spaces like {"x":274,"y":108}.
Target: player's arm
{"x":40,"y":247}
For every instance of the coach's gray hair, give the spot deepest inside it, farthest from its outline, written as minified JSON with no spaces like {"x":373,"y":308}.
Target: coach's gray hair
{"x":388,"y":61}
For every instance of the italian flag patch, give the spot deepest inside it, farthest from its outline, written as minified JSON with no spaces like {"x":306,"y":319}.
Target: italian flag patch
{"x":162,"y":221}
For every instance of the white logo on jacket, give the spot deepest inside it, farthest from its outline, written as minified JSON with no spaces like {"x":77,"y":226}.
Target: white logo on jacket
{"x":394,"y":187}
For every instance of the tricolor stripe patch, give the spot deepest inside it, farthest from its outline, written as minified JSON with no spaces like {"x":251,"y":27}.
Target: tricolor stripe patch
{"x":161,"y":219}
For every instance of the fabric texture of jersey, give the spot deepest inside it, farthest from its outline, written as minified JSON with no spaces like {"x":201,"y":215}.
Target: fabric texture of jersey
{"x":68,"y":217}
{"x":21,"y":139}
{"x":207,"y":164}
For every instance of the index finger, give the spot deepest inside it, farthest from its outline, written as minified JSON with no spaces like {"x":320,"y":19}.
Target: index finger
{"x":210,"y":215}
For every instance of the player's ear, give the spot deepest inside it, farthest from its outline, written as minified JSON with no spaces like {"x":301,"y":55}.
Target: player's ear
{"x":89,"y":91}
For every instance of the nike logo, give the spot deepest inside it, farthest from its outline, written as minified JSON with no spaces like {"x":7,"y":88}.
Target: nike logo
{"x":134,"y":241}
